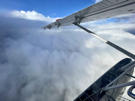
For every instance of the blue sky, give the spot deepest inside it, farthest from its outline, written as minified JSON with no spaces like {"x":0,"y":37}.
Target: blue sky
{"x":52,"y":8}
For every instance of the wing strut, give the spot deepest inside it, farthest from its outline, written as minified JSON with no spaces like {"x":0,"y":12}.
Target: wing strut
{"x":108,"y":42}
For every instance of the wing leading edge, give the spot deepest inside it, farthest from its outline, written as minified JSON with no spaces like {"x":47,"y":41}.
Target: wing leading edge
{"x":101,"y":10}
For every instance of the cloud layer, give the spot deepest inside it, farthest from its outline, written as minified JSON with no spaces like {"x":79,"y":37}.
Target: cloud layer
{"x":31,"y":15}
{"x":54,"y":65}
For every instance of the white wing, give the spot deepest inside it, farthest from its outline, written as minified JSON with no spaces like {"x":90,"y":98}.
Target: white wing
{"x":101,"y":10}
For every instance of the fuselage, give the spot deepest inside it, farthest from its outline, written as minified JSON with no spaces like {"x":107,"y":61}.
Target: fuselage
{"x":95,"y":93}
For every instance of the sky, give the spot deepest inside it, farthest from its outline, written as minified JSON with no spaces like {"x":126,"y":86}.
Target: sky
{"x":53,"y":8}
{"x":59,"y":64}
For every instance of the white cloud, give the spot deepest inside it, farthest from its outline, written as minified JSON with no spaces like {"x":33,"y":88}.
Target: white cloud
{"x":97,"y":1}
{"x":56,"y":65}
{"x":32,"y":15}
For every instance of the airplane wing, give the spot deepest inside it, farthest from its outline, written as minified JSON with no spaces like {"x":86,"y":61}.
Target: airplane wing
{"x":101,"y":10}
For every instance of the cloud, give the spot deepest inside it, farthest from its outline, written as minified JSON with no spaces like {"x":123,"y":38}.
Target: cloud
{"x":54,"y":65}
{"x":97,"y":1}
{"x":32,"y":15}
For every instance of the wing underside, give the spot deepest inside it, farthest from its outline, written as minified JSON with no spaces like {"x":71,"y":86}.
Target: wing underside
{"x":101,"y":10}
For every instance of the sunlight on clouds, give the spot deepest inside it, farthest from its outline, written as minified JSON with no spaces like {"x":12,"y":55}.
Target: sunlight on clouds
{"x":32,"y":15}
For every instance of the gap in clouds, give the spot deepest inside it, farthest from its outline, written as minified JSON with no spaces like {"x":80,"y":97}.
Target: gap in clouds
{"x":54,"y":65}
